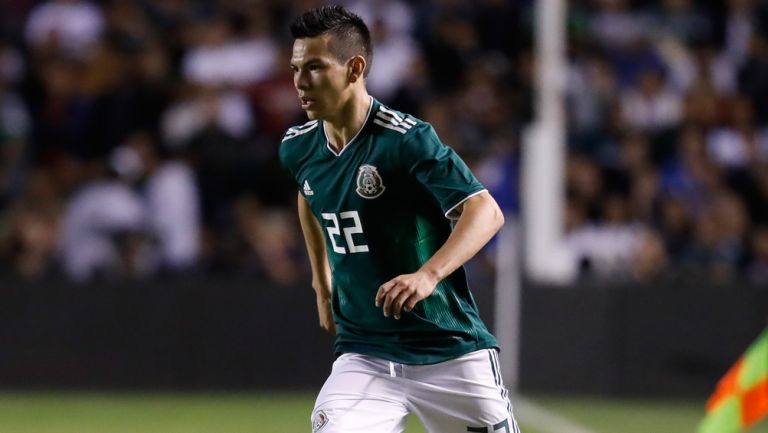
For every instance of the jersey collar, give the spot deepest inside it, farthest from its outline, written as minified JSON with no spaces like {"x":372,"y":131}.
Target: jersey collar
{"x":365,"y":123}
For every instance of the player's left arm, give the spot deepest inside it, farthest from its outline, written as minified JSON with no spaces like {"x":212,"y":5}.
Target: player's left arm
{"x":479,"y":221}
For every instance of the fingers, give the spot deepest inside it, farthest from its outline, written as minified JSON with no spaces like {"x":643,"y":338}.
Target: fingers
{"x":389,"y":298}
{"x":383,"y":290}
{"x":393,"y":296}
{"x":410,"y":303}
{"x":399,"y":301}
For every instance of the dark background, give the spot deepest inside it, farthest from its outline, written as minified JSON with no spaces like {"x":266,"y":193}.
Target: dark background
{"x":238,"y":334}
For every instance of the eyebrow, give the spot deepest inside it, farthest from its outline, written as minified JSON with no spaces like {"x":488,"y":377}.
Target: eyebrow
{"x":311,"y":61}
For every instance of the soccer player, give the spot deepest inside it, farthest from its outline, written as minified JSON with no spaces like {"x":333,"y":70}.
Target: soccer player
{"x":377,"y":193}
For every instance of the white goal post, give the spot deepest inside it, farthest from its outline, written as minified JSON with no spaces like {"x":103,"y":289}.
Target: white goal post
{"x":533,"y":246}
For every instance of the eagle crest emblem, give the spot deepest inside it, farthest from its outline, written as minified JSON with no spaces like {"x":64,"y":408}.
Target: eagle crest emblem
{"x":369,"y":183}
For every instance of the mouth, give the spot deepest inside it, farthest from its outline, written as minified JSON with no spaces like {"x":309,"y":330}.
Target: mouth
{"x":306,"y":103}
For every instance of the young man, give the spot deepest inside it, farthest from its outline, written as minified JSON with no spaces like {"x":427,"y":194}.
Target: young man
{"x":377,"y":190}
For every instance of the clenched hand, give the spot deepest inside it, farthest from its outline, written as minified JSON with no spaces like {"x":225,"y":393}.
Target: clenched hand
{"x":404,"y":291}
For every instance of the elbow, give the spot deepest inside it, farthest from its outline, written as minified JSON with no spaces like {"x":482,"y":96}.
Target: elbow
{"x":485,"y":211}
{"x":495,"y":215}
{"x":498,"y":218}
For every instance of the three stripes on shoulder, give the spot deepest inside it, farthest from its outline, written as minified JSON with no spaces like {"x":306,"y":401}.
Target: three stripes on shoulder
{"x":299,"y":130}
{"x":391,"y":120}
{"x":384,"y":117}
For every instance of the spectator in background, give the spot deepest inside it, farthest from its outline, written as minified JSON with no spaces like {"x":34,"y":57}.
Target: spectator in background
{"x":615,"y":26}
{"x":68,"y":27}
{"x":15,"y":126}
{"x":451,"y":46}
{"x":204,"y":108}
{"x":482,"y":111}
{"x":62,"y":111}
{"x":712,"y":71}
{"x":752,"y":80}
{"x":650,"y":258}
{"x":29,"y":229}
{"x":272,"y":101}
{"x":170,"y":202}
{"x":717,"y":251}
{"x":591,"y":90}
{"x":608,"y":247}
{"x":585,"y":183}
{"x":681,"y":21}
{"x":644,"y":194}
{"x":734,"y":144}
{"x":666,"y":108}
{"x":691,"y":176}
{"x":396,"y":16}
{"x":676,"y":225}
{"x":757,"y":269}
{"x":650,"y":106}
{"x":12,"y":67}
{"x":102,"y":231}
{"x":740,"y":24}
{"x":395,"y":54}
{"x":270,"y":240}
{"x":212,"y":126}
{"x":218,"y":56}
{"x":140,"y":218}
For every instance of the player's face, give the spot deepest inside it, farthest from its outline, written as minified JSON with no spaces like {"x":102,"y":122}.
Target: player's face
{"x":320,"y":79}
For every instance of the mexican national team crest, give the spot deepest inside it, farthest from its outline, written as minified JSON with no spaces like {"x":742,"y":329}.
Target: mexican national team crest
{"x":319,"y":420}
{"x":369,"y":183}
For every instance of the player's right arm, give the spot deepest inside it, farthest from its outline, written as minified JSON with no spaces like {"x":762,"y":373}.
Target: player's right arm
{"x":318,"y":260}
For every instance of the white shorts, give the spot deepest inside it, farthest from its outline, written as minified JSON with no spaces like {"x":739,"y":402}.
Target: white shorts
{"x":365,"y":394}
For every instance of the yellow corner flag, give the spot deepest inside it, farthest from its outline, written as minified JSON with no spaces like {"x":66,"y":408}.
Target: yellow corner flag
{"x":741,"y":397}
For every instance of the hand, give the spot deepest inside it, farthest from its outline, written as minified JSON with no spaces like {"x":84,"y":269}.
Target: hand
{"x":404,"y":291}
{"x":325,"y":313}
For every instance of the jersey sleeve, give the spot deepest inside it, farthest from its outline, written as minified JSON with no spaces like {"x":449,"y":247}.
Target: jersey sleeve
{"x":286,"y":161}
{"x":440,"y":169}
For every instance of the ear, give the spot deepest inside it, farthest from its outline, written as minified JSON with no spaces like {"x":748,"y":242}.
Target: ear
{"x":356,"y":68}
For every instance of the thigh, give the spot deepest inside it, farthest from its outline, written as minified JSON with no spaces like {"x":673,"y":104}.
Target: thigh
{"x":358,"y":397}
{"x":466,"y":394}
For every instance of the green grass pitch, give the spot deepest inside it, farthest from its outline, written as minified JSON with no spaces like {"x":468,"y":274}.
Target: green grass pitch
{"x":281,"y":412}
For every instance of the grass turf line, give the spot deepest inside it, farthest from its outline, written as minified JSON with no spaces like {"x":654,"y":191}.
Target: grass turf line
{"x":281,"y":412}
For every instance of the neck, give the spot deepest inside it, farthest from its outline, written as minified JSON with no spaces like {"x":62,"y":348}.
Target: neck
{"x":342,"y":127}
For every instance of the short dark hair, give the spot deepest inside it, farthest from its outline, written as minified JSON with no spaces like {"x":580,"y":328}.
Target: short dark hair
{"x":351,"y":36}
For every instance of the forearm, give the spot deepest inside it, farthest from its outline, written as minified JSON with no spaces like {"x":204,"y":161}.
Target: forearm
{"x":318,"y":260}
{"x":315,"y":244}
{"x":480,"y":219}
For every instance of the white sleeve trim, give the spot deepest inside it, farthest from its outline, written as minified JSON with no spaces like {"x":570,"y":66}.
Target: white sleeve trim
{"x":449,"y":213}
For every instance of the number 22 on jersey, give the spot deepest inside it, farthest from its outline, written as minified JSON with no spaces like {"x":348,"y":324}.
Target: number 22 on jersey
{"x":335,"y":230}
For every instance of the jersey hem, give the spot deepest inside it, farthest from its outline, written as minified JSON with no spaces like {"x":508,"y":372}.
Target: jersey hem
{"x":428,"y":359}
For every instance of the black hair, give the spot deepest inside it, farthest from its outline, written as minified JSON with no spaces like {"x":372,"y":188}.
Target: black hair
{"x":351,"y":36}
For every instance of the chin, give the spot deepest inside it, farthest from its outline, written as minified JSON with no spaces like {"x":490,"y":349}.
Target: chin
{"x":312,"y":114}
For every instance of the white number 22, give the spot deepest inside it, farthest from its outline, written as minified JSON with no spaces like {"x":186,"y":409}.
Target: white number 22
{"x":333,"y":231}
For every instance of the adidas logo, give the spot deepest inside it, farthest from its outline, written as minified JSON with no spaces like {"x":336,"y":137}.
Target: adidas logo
{"x":307,"y":189}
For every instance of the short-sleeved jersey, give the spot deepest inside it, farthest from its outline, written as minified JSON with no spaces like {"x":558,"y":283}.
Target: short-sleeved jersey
{"x":385,"y":203}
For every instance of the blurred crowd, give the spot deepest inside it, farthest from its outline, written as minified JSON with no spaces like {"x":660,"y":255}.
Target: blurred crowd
{"x":668,"y":139}
{"x":138,"y":138}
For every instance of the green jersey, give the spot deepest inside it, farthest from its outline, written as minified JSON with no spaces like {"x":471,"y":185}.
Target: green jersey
{"x":385,"y":203}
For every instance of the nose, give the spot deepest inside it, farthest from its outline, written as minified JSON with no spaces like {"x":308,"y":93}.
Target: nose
{"x":301,"y":80}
